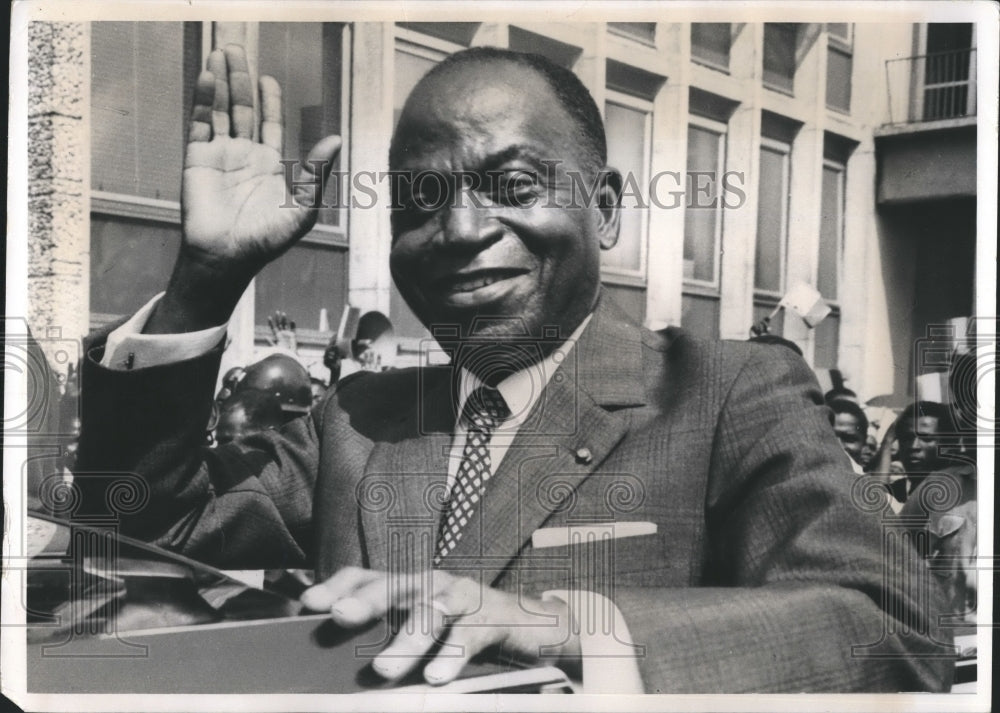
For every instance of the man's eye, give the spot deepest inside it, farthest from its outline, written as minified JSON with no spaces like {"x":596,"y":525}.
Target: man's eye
{"x":515,"y":185}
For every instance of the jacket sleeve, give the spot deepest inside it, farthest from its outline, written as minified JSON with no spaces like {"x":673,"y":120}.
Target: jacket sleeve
{"x":808,"y":587}
{"x":244,"y":505}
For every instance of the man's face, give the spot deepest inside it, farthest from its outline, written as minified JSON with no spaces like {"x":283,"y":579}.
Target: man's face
{"x":849,"y":432}
{"x":521,"y":246}
{"x":234,"y":423}
{"x":918,"y":446}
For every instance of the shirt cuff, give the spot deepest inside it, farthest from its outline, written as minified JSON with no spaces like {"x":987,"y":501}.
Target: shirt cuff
{"x":128,"y":348}
{"x":609,"y":659}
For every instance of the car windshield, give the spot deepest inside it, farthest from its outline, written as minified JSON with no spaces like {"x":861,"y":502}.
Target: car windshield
{"x":95,"y":581}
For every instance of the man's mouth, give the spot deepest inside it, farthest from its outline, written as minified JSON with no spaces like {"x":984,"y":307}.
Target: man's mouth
{"x":460,"y":283}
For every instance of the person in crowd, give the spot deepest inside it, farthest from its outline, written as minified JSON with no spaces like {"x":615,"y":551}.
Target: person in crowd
{"x":918,"y":429}
{"x":286,"y":379}
{"x":333,"y":359}
{"x":840,"y":393}
{"x":247,"y":412}
{"x":230,"y":381}
{"x":740,"y":562}
{"x":870,"y":448}
{"x":941,"y":447}
{"x":318,"y":388}
{"x":851,"y":427}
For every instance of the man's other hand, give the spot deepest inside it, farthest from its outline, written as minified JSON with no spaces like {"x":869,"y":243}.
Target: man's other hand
{"x":461,"y":615}
{"x":238,"y":213}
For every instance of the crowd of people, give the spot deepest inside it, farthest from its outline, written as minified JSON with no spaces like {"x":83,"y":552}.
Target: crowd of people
{"x":925,"y":457}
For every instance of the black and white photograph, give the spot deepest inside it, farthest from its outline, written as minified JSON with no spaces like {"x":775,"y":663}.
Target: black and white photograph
{"x":435,"y":356}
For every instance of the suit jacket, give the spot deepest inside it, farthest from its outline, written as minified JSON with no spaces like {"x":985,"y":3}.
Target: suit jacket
{"x":765,"y":572}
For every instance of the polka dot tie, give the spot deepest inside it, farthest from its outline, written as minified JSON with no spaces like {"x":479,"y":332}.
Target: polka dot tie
{"x":484,"y":410}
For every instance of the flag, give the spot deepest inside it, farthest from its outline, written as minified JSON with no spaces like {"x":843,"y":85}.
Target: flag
{"x":806,"y":302}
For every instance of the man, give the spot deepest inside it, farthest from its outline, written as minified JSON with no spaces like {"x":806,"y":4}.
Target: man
{"x":851,"y":428}
{"x":940,"y":457}
{"x":918,"y":429}
{"x":669,"y":512}
{"x":245,"y":413}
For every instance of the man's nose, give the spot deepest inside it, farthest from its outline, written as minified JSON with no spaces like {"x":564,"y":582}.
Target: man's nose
{"x":468,"y":221}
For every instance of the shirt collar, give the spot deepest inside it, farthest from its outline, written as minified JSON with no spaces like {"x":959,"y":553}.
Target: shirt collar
{"x":522,"y":389}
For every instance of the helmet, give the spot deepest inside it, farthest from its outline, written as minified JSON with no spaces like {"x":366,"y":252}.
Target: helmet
{"x":283,"y":376}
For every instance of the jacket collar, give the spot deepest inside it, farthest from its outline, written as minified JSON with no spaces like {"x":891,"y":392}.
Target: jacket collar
{"x":567,"y":435}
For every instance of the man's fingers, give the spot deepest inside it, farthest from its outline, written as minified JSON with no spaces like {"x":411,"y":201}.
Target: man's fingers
{"x":422,"y":630}
{"x":322,"y":597}
{"x":201,"y":111}
{"x":373,"y":598}
{"x":220,"y":102}
{"x":462,"y":644}
{"x":322,"y":156}
{"x":241,"y":92}
{"x":270,"y":113}
{"x":314,"y":172}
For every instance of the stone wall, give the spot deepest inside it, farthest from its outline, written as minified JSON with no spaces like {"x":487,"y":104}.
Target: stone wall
{"x":58,"y":184}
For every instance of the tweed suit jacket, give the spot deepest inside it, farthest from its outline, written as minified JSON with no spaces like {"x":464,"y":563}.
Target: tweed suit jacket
{"x":764,"y":573}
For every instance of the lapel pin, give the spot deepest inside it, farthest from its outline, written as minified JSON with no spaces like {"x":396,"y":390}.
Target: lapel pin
{"x":584,"y":456}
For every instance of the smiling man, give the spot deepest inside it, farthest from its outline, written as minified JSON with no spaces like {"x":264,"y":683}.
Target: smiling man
{"x":646,"y":510}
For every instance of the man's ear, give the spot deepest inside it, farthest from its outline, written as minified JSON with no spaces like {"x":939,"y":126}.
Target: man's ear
{"x":609,"y":197}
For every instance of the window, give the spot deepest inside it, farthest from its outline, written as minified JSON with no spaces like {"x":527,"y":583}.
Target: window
{"x":644,"y":32}
{"x":839,"y":64}
{"x":703,"y":214}
{"x":780,"y":44}
{"x":628,"y":123}
{"x":710,"y":43}
{"x":703,"y":226}
{"x":142,"y":76}
{"x":771,"y":245}
{"x":307,"y":59}
{"x":949,"y":89}
{"x":829,"y":262}
{"x":142,"y":79}
{"x":772,"y":218}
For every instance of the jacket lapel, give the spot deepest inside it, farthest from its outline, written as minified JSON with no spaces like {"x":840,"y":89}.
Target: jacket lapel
{"x":402,"y":492}
{"x":568,"y":434}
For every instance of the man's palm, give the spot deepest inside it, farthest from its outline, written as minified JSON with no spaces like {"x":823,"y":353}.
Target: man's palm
{"x":236,"y":204}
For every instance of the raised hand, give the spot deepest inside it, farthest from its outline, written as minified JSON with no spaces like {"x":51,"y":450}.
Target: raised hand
{"x":238,"y":214}
{"x":283,"y":333}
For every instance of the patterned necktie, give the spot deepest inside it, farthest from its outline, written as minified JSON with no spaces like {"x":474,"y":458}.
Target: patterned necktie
{"x":484,"y":410}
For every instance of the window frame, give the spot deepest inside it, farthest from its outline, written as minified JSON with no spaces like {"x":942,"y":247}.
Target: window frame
{"x":620,"y":275}
{"x":841,"y":168}
{"x":724,"y":68}
{"x":711,"y":287}
{"x":617,"y":31}
{"x":835,"y":311}
{"x":785,"y":149}
{"x":787,"y":91}
{"x":845,"y":47}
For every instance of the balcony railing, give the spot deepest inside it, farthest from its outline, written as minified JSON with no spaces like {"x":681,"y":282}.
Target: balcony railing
{"x":931,"y":87}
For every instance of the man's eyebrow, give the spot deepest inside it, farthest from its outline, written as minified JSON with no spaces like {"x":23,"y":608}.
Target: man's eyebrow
{"x":523,"y":152}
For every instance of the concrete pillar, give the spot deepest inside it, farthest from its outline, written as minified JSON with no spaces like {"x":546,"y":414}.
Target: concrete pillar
{"x":739,"y":238}
{"x":372,"y":78}
{"x":665,"y":254}
{"x":58,"y":150}
{"x":805,"y":205}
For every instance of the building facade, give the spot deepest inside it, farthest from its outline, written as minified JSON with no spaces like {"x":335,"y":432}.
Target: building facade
{"x":757,"y":156}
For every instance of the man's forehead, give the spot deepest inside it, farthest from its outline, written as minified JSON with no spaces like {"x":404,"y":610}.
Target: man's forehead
{"x":479,"y":97}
